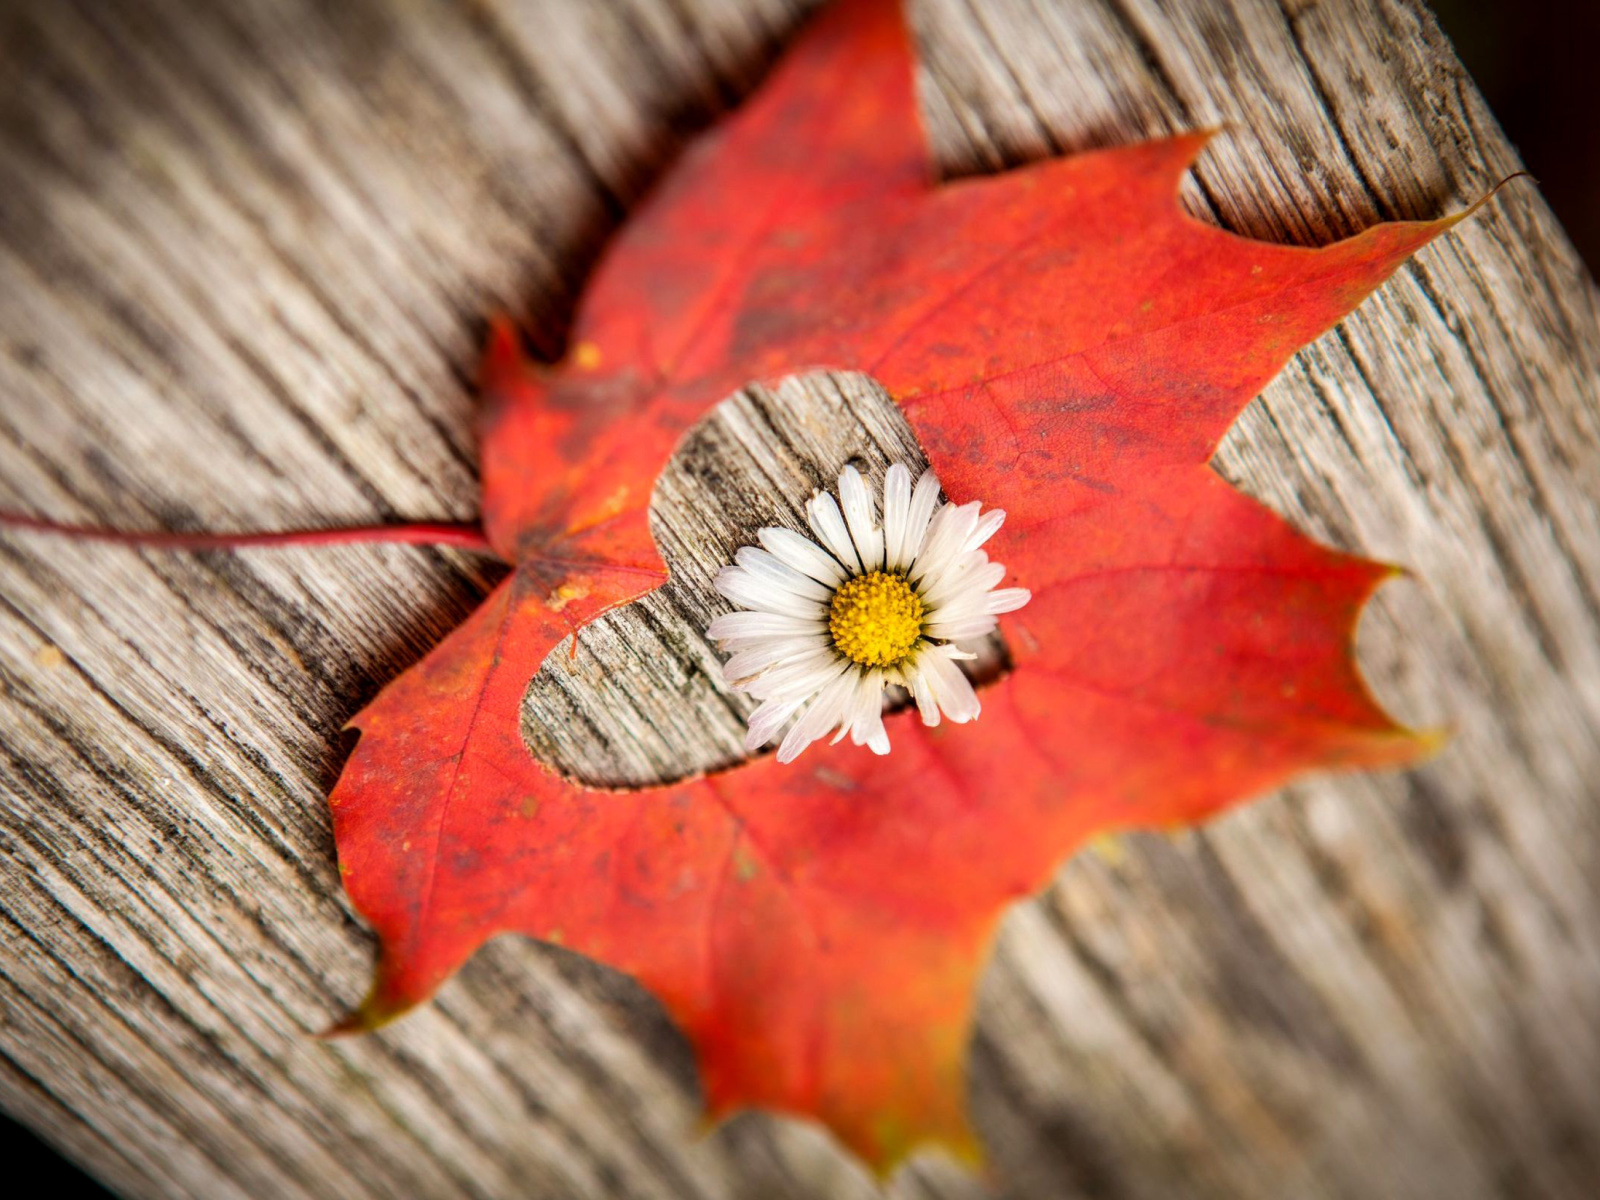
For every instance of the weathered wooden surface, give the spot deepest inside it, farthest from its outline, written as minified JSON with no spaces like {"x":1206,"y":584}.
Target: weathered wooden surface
{"x":244,"y":249}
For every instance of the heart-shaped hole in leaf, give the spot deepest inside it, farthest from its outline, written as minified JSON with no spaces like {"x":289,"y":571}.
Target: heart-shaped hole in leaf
{"x":643,"y":702}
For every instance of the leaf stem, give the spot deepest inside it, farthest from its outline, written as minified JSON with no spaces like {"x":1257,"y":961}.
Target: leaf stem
{"x":469,"y":537}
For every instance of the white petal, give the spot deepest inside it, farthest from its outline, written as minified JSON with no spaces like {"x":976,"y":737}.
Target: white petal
{"x":794,"y":671}
{"x":950,"y":687}
{"x":966,"y":603}
{"x":934,"y":540}
{"x":774,"y":710}
{"x":974,"y":581}
{"x":802,"y":554}
{"x":926,"y":705}
{"x":827,"y":523}
{"x":767,"y":719}
{"x":821,"y":715}
{"x":1008,"y":599}
{"x":802,"y":677}
{"x":987,"y":528}
{"x":762,"y":565}
{"x":868,"y":691}
{"x":896,"y":510}
{"x":962,"y":631}
{"x":867,"y":725}
{"x":924,"y":503}
{"x":866,"y":729}
{"x":746,"y":591}
{"x":947,"y":535}
{"x":747,"y":664}
{"x":857,"y":504}
{"x":741,"y":626}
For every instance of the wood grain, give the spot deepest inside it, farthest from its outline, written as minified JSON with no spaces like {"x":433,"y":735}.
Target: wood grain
{"x":245,"y":250}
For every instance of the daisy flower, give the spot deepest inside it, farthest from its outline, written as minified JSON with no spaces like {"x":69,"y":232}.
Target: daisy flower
{"x":833,"y":622}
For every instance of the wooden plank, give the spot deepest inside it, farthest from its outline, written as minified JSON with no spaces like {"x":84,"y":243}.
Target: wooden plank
{"x":244,"y":253}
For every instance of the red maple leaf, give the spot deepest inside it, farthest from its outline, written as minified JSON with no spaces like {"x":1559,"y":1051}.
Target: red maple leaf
{"x":1068,"y":345}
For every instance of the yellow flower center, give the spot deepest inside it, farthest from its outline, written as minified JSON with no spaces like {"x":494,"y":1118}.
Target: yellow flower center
{"x":875,"y":619}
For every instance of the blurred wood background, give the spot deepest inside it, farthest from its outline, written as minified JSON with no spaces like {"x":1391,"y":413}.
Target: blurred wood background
{"x":245,"y":252}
